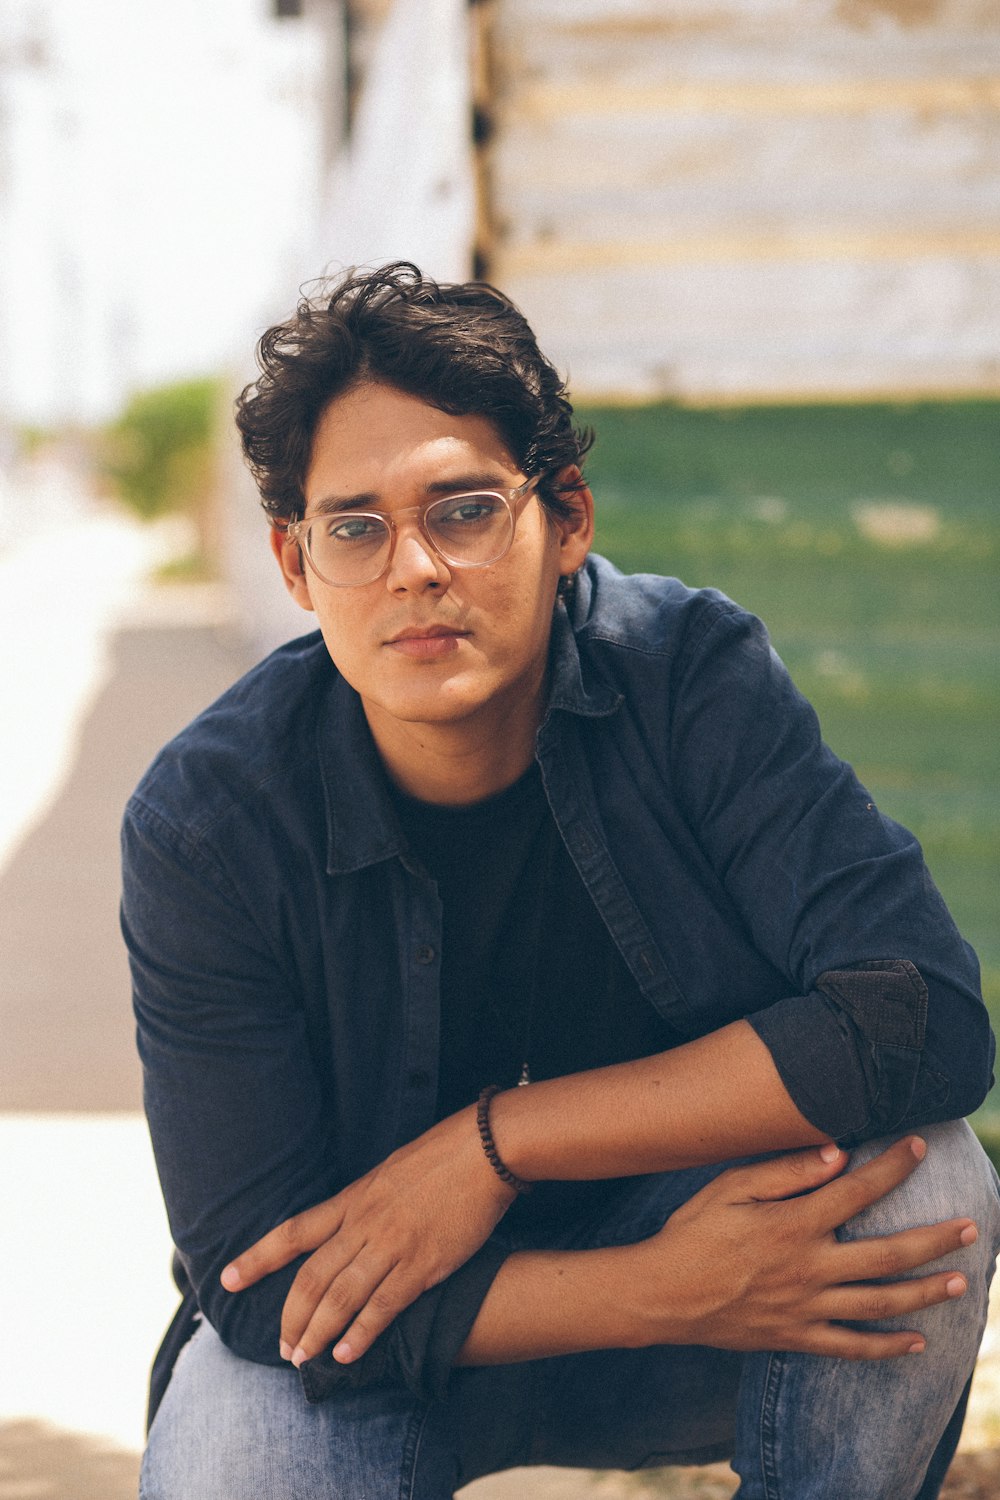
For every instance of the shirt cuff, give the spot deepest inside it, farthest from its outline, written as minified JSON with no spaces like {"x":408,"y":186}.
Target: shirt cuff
{"x":849,"y":1051}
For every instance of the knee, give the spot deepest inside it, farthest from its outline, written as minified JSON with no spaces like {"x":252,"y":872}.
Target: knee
{"x":226,"y":1428}
{"x":954,"y":1180}
{"x":229,"y":1429}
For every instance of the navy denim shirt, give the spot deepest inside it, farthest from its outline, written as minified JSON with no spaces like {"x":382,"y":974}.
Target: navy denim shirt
{"x":286,"y":950}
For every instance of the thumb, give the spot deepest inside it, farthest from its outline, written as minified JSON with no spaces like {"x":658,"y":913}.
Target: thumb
{"x":787,"y":1176}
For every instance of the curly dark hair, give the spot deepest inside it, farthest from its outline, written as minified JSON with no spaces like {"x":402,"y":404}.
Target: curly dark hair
{"x":462,"y":347}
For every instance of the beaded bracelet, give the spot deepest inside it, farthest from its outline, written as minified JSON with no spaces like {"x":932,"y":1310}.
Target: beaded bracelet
{"x":489,"y":1145}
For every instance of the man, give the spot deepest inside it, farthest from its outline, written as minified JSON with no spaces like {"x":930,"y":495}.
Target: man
{"x":513,"y":818}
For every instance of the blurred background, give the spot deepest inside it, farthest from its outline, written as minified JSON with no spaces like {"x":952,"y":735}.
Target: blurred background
{"x":763,"y":238}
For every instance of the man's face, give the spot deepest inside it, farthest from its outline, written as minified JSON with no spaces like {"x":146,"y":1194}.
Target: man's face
{"x":430,"y":643}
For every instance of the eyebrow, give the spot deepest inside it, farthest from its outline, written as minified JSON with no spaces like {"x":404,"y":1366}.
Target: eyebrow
{"x":369,"y":500}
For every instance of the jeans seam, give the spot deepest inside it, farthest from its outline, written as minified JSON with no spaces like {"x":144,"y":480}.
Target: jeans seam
{"x":411,"y":1452}
{"x":768,"y":1426}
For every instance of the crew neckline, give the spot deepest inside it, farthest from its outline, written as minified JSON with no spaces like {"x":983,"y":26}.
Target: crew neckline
{"x":527,"y":785}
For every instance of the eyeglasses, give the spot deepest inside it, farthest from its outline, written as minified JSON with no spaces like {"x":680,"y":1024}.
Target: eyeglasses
{"x":348,"y":548}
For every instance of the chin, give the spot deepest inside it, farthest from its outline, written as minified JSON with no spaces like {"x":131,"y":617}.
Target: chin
{"x":436,"y":703}
{"x":432,"y":710}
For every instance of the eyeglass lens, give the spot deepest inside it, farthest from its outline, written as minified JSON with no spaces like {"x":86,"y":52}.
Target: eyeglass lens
{"x":473,"y":530}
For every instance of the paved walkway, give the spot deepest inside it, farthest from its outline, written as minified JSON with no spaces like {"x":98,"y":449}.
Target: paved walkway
{"x":83,"y":1241}
{"x":100,"y":676}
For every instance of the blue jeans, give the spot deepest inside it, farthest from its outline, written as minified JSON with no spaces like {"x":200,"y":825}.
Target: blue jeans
{"x":797,"y":1427}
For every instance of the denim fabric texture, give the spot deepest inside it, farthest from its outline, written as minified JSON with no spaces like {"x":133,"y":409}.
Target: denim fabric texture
{"x":796,"y":1427}
{"x":285,"y":948}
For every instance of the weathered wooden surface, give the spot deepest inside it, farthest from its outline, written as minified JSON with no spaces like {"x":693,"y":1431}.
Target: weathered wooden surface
{"x":710,"y":199}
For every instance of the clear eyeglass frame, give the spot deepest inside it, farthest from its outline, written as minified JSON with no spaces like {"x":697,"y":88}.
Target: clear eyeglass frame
{"x":513,"y":501}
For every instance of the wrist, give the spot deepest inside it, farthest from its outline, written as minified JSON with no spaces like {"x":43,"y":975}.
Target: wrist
{"x":644,"y":1321}
{"x":478,"y":1163}
{"x":546,"y":1303}
{"x":507,"y":1120}
{"x":491,"y":1151}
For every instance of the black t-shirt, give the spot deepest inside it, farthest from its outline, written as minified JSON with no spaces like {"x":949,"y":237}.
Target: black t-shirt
{"x":529,"y":972}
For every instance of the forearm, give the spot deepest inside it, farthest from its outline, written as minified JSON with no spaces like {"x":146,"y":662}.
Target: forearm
{"x":552,"y":1302}
{"x":713,"y":1099}
{"x":710,"y":1100}
{"x":751,"y":1261}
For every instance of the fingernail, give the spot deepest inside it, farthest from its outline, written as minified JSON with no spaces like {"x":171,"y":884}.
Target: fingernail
{"x":299,"y":1357}
{"x":829,"y":1152}
{"x":969,"y":1235}
{"x":230,"y":1278}
{"x":916,"y":1348}
{"x":342,"y":1353}
{"x":918,"y":1147}
{"x":955,"y":1286}
{"x":285,"y":1350}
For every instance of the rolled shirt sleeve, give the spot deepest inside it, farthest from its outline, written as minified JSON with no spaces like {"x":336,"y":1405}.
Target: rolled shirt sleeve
{"x":873,"y":1019}
{"x":887,"y":1028}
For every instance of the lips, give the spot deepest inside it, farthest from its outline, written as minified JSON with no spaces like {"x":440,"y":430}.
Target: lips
{"x":425,"y":633}
{"x":427,"y":642}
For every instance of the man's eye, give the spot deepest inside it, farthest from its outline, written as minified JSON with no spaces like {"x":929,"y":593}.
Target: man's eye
{"x":467,"y":510}
{"x":353,"y":529}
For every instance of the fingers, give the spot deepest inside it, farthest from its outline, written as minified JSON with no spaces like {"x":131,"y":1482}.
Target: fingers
{"x":787,"y":1175}
{"x":890,"y":1256}
{"x":295,"y":1237}
{"x":870,"y":1303}
{"x":386,"y":1303}
{"x":849,"y":1343}
{"x":840,"y":1200}
{"x":330,"y":1288}
{"x":371,"y":1291}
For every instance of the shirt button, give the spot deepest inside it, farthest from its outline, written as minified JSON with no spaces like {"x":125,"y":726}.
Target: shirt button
{"x":419,"y":1080}
{"x":424,"y":954}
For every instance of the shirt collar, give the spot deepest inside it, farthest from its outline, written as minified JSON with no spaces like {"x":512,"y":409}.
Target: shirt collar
{"x":361,"y":823}
{"x":568,"y":690}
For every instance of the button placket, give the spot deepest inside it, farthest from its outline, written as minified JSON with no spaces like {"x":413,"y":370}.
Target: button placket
{"x":419,"y":956}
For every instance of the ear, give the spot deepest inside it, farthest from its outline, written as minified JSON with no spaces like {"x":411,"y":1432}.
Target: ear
{"x":293,"y":568}
{"x":576,"y":531}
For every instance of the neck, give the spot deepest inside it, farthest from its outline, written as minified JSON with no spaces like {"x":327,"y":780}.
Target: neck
{"x":453,"y":765}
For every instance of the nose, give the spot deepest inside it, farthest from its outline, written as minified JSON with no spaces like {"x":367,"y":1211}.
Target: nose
{"x":414,"y":565}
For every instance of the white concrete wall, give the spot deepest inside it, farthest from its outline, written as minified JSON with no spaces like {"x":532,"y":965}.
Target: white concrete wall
{"x":154,"y":163}
{"x":769,"y":197}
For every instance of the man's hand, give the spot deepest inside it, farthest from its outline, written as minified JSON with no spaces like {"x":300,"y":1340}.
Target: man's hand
{"x":400,"y":1229}
{"x":752,"y":1261}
